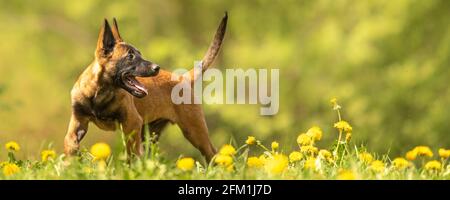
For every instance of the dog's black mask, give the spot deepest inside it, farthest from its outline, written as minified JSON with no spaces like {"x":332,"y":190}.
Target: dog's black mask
{"x":131,"y":66}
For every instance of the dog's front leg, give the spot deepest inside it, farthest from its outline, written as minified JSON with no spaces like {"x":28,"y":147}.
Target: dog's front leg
{"x":132,"y":126}
{"x":78,"y":127}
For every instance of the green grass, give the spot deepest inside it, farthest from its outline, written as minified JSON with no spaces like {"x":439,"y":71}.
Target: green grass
{"x":157,"y":167}
{"x":344,"y":160}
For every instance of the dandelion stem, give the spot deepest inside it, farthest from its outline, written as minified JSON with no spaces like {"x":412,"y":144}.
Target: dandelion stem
{"x":263,"y":147}
{"x":336,"y":151}
{"x":340,"y":134}
{"x":241,"y":147}
{"x":343,"y":153}
{"x":339,"y":115}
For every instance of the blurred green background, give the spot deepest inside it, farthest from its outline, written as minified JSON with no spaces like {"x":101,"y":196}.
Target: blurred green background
{"x":386,"y":61}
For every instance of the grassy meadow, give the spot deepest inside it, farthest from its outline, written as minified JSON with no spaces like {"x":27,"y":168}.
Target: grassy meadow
{"x":343,"y":161}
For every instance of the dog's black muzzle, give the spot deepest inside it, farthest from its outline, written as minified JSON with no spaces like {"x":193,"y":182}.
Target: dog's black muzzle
{"x":146,"y":69}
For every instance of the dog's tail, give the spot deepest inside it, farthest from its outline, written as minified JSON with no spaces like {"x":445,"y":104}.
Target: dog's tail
{"x":214,"y":47}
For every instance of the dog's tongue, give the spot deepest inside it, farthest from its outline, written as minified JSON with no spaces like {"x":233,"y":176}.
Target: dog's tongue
{"x":138,"y":85}
{"x":141,"y":88}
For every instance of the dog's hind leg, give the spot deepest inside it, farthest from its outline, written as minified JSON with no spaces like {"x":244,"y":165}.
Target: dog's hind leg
{"x":194,"y":128}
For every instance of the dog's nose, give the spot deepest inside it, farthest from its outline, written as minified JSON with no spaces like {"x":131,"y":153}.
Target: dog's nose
{"x":155,"y":67}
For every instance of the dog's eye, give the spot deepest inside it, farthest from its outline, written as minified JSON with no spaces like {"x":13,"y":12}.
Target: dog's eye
{"x":130,"y":56}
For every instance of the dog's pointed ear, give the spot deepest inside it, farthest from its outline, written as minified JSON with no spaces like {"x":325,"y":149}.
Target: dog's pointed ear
{"x":106,"y":41}
{"x":115,"y":31}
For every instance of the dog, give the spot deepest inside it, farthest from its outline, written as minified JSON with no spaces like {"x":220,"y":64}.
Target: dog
{"x":121,"y":87}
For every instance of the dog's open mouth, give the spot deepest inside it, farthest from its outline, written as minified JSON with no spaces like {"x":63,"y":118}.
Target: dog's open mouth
{"x":134,"y":86}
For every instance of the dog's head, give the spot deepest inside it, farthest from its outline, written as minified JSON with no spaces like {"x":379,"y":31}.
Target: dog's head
{"x":122,"y":62}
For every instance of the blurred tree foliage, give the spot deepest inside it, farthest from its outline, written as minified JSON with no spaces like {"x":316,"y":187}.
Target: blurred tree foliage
{"x":386,"y":61}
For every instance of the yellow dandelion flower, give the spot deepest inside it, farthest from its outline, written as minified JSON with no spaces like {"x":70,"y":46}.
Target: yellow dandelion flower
{"x":377,"y":166}
{"x":365,"y":157}
{"x":12,"y":146}
{"x":411,"y":155}
{"x":230,"y":168}
{"x":346,"y":175}
{"x":10,"y":169}
{"x":100,"y":151}
{"x":310,"y":150}
{"x":444,"y":153}
{"x":315,"y":133}
{"x":424,"y":151}
{"x":326,"y":155}
{"x":277,"y":164}
{"x":295,"y":156}
{"x":250,"y":140}
{"x":227,"y":150}
{"x":304,"y":139}
{"x":310,"y":163}
{"x":275,"y":145}
{"x":348,"y":137}
{"x":400,"y":163}
{"x":255,"y":162}
{"x":343,"y":126}
{"x":263,"y":158}
{"x":334,"y":103}
{"x":47,"y":155}
{"x":223,"y":160}
{"x":433,"y":165}
{"x":186,"y":164}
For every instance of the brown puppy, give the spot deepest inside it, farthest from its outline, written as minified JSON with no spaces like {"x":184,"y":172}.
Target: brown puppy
{"x":121,"y":87}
